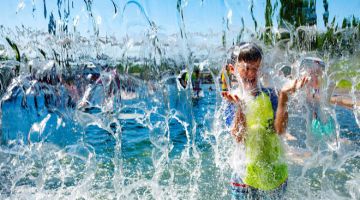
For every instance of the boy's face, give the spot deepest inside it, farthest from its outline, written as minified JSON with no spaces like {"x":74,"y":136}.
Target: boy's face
{"x":248,"y":72}
{"x":314,"y":73}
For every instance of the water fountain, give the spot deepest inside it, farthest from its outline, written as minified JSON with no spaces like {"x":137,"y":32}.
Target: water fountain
{"x":90,"y":108}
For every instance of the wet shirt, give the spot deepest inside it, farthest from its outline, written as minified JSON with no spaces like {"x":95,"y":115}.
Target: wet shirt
{"x":266,"y":168}
{"x":322,"y":124}
{"x":231,"y":108}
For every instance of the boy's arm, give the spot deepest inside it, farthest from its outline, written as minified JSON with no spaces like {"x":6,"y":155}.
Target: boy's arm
{"x":239,"y":123}
{"x":343,"y":101}
{"x":238,"y":130}
{"x":281,"y":117}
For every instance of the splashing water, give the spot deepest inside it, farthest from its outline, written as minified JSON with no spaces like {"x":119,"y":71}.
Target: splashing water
{"x":90,"y":107}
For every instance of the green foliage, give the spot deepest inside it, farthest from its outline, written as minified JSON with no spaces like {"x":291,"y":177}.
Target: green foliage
{"x":291,"y":11}
{"x":135,"y":69}
{"x":252,"y":14}
{"x":120,"y":68}
{"x":15,"y":48}
{"x":303,"y":12}
{"x":4,"y":58}
{"x":346,"y":70}
{"x":17,"y":54}
{"x":146,"y":71}
{"x":344,"y":23}
{"x":267,"y":37}
{"x":326,"y":13}
{"x":347,"y":85}
{"x":355,"y":22}
{"x":268,"y":14}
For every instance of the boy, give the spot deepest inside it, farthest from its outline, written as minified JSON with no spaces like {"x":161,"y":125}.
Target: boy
{"x":318,"y":98}
{"x":259,"y":117}
{"x":195,"y":80}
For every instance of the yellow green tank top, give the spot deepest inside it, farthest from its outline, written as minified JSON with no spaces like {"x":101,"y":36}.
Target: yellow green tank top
{"x":266,"y":168}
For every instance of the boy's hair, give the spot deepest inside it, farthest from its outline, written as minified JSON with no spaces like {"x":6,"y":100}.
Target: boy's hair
{"x":234,"y":53}
{"x":311,"y":62}
{"x":249,"y":52}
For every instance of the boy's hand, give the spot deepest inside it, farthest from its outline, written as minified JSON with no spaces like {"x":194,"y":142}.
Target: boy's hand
{"x":281,"y":118}
{"x":294,"y":85}
{"x":233,"y":98}
{"x":238,"y":137}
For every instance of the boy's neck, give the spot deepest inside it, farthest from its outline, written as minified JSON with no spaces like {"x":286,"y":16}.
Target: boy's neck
{"x":253,"y":91}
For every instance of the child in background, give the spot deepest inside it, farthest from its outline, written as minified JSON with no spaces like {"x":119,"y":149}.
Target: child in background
{"x":318,"y":97}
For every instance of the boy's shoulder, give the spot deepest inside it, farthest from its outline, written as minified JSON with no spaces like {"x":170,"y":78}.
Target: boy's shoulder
{"x":273,"y":95}
{"x":271,"y":92}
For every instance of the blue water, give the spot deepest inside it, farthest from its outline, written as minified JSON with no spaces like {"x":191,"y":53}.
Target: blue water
{"x":136,"y":136}
{"x":173,"y":148}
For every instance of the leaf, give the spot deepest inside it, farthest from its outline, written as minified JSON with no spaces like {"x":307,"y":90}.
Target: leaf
{"x":15,"y":48}
{"x":42,"y":52}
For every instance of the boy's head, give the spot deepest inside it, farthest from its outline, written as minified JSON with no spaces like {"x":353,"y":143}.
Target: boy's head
{"x":248,"y":64}
{"x":314,"y":68}
{"x":249,"y":52}
{"x":312,"y":65}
